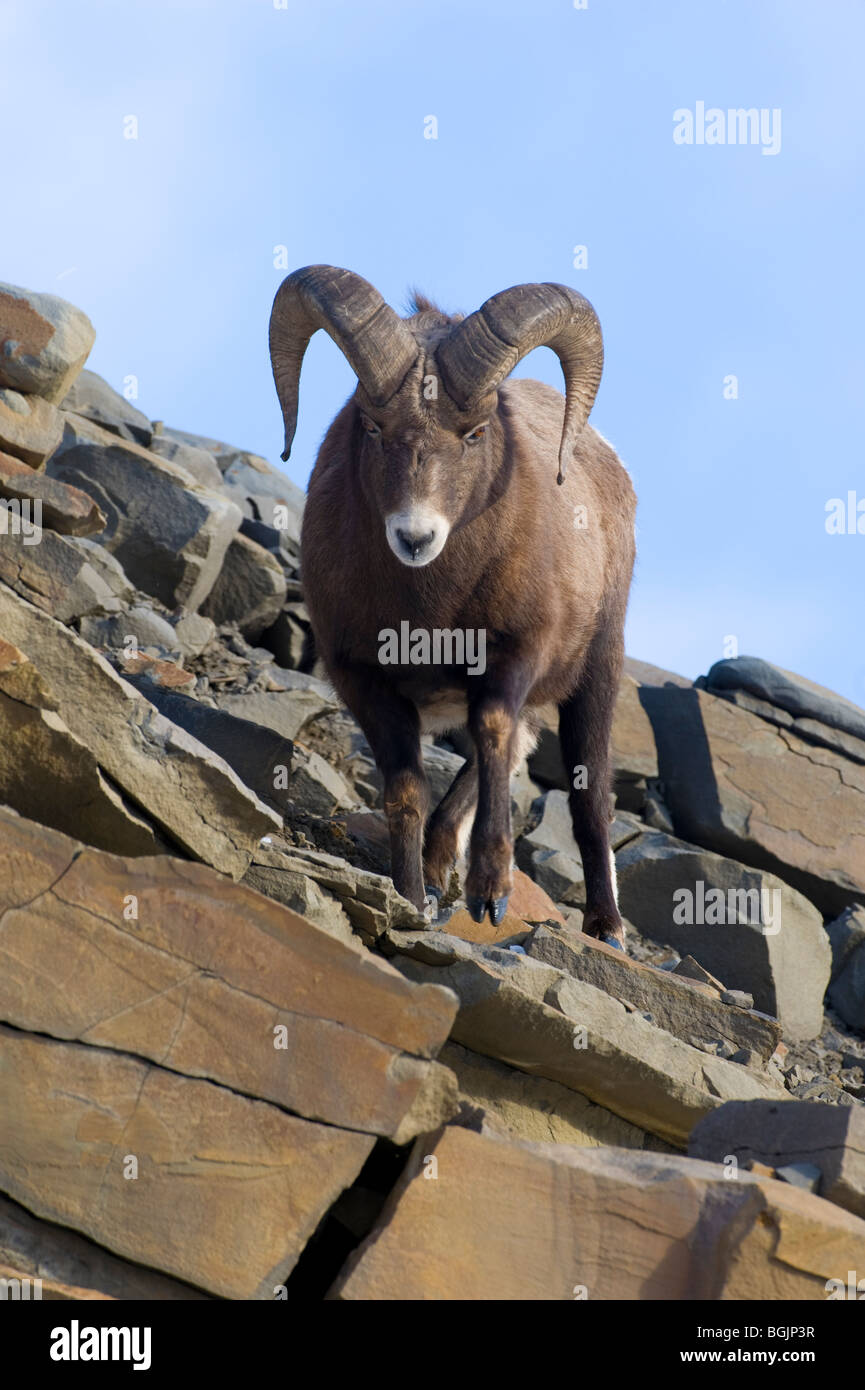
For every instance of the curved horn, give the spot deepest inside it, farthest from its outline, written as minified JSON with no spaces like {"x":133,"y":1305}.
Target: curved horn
{"x":485,"y":347}
{"x":377,"y":344}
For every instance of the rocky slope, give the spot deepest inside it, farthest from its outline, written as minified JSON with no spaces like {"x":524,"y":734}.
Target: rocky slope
{"x":234,"y":1063}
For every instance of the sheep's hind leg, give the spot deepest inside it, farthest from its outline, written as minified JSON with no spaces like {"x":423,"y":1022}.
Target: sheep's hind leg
{"x":494,"y":724}
{"x":585,"y":723}
{"x":447,"y":829}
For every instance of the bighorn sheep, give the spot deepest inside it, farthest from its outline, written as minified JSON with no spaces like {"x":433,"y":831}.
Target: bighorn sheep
{"x":433,"y":501}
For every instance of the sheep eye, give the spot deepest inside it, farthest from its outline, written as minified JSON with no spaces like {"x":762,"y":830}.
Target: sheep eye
{"x":476,"y":435}
{"x":370,"y":426}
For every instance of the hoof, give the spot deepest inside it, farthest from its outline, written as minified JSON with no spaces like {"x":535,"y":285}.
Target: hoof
{"x":610,"y":940}
{"x":497,"y":907}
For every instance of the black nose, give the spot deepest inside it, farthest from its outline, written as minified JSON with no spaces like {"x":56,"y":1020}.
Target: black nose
{"x":415,"y":544}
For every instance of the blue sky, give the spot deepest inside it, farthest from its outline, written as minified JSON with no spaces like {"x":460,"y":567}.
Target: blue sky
{"x":303,"y":127}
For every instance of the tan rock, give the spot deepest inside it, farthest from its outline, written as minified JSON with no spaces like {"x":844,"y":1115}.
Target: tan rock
{"x":511,"y":929}
{"x":65,"y":509}
{"x":180,"y":1175}
{"x":63,"y":1259}
{"x":16,"y":1284}
{"x":175,"y":964}
{"x":166,"y":674}
{"x":30,"y":428}
{"x":683,"y":1007}
{"x":529,"y":901}
{"x":546,"y":1023}
{"x":477,"y":1217}
{"x":528,"y":904}
{"x":44,"y":342}
{"x":185,"y":788}
{"x":533,"y":1108}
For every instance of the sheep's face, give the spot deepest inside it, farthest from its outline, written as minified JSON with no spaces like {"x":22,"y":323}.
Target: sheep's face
{"x":424,"y":463}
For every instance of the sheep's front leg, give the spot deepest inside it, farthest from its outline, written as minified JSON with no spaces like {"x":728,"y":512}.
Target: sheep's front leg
{"x":392,"y":728}
{"x":493,"y":719}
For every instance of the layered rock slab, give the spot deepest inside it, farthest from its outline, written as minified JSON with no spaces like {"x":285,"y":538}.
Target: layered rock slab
{"x":531,"y":1016}
{"x":747,"y":788}
{"x":478,"y":1217}
{"x":207,"y":978}
{"x":178,"y":1174}
{"x":185,"y":788}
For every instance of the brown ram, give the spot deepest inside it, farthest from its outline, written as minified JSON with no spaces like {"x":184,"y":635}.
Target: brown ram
{"x":433,"y":503}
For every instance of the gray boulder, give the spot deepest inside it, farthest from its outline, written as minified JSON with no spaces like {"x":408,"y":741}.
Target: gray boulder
{"x":798,"y":696}
{"x":55,"y":576}
{"x":169,"y":534}
{"x":91,"y":396}
{"x":747,"y":927}
{"x":198,"y":462}
{"x":832,"y":1138}
{"x":249,"y":591}
{"x":847,"y":990}
{"x":255,"y":753}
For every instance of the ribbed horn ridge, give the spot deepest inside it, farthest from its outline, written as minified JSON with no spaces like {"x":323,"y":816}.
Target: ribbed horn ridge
{"x":376,"y":343}
{"x":485,"y":348}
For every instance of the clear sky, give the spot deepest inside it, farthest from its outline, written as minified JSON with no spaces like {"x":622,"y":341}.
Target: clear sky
{"x":301,"y":126}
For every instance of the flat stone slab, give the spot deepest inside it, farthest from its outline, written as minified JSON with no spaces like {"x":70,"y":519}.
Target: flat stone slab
{"x":181,"y":1175}
{"x":682,"y":1007}
{"x":30,"y":428}
{"x":210,"y":979}
{"x":40,"y":1250}
{"x":534,"y":1017}
{"x":62,"y":508}
{"x":479,"y":1217}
